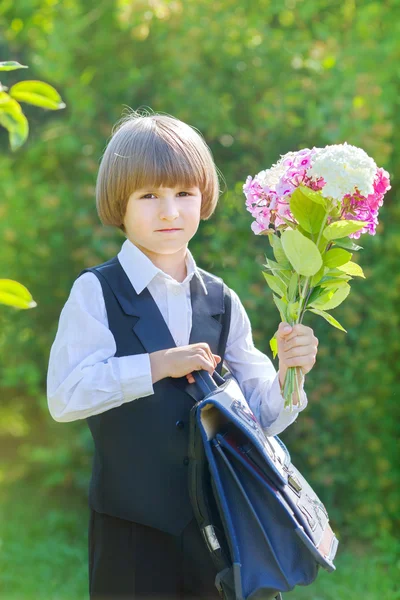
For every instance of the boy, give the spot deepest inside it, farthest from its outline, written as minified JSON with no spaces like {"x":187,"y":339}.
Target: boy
{"x":130,"y":334}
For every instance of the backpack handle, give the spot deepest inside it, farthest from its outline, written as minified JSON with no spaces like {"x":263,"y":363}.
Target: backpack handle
{"x":207,"y":383}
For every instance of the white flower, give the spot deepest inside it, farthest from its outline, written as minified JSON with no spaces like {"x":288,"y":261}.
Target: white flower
{"x":343,"y":167}
{"x":271,"y":177}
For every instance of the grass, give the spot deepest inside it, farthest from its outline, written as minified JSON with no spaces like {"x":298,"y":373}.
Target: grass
{"x":43,"y":554}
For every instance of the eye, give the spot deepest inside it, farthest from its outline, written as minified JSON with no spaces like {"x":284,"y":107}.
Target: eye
{"x":151,"y":194}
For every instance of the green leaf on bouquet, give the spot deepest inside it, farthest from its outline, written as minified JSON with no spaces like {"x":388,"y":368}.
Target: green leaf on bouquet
{"x":275,"y":284}
{"x":281,"y":305}
{"x":336,"y":257}
{"x":334,"y":272}
{"x":316,"y":197}
{"x":287,"y":222}
{"x":348,"y":244}
{"x":332,"y":299}
{"x":322,"y":244}
{"x":335,"y":210}
{"x":273,"y":344}
{"x":274,"y":266}
{"x":335,"y":282}
{"x":279,"y":271}
{"x":292,"y":311}
{"x":309,"y":214}
{"x":302,"y":253}
{"x":292,"y":290}
{"x":319,"y":294}
{"x":317,"y":277}
{"x":328,"y":318}
{"x":352,"y":268}
{"x":284,"y":276}
{"x":304,"y":232}
{"x":340,"y":229}
{"x":280,"y":256}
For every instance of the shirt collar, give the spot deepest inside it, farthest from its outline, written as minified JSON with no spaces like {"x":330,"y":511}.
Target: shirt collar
{"x":141,"y":270}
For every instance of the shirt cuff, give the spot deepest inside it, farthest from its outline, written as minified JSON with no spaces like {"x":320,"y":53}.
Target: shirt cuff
{"x":135,"y":376}
{"x":285,"y":416}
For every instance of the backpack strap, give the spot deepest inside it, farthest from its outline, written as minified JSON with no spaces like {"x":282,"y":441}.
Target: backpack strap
{"x":200,"y":484}
{"x":226,"y":322}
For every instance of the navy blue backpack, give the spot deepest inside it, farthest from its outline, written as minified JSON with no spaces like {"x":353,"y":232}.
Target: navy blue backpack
{"x":266,"y":529}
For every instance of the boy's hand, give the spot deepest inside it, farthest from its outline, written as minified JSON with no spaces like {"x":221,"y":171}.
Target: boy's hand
{"x":297,"y":347}
{"x":181,"y":361}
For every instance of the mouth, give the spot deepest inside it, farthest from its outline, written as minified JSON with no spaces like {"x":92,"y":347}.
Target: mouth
{"x":163,"y":230}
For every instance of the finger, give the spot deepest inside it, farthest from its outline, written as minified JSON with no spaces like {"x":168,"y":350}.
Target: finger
{"x":300,"y":361}
{"x":299,"y":340}
{"x":211,"y":359}
{"x":206,"y":365}
{"x":217,"y":360}
{"x":284,"y":329}
{"x":300,"y":329}
{"x":300,"y":351}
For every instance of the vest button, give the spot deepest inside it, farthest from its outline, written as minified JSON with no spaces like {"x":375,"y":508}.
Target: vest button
{"x":179,"y":424}
{"x":186,"y":461}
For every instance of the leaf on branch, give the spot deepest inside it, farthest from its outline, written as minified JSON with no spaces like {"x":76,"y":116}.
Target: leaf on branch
{"x":332,"y":299}
{"x":319,"y":293}
{"x":340,"y":229}
{"x":293,"y":286}
{"x":292,"y":311}
{"x":273,"y":266}
{"x":275,"y":284}
{"x":336,"y":257}
{"x":37,"y":93}
{"x":282,"y":307}
{"x":280,"y":256}
{"x":348,"y":244}
{"x":317,"y":277}
{"x":273,"y":344}
{"x":331,"y":320}
{"x":309,"y":214}
{"x":15,"y":294}
{"x":11,"y":65}
{"x":316,"y":197}
{"x":334,"y":282}
{"x":352,"y":268}
{"x":14,"y":120}
{"x":302,"y":253}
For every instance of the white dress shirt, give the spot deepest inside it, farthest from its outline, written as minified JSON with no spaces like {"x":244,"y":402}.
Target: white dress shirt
{"x":85,"y":378}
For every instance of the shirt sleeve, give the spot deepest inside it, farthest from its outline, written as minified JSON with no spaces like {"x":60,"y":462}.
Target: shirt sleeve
{"x":84,"y":377}
{"x":256,"y":375}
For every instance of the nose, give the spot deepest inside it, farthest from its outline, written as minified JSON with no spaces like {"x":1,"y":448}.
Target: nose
{"x":168,"y":208}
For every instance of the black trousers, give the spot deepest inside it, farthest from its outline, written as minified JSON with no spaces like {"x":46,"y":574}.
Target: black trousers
{"x":131,"y":561}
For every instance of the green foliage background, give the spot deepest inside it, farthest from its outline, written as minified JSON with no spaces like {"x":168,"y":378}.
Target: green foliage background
{"x":257,"y":79}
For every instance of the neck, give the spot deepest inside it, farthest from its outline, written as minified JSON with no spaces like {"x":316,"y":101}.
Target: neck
{"x":172,"y":264}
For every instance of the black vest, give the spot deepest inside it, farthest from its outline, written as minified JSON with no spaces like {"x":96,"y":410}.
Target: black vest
{"x":140,"y":448}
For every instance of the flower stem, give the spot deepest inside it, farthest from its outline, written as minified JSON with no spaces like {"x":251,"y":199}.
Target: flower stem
{"x":291,"y":382}
{"x":307,"y":281}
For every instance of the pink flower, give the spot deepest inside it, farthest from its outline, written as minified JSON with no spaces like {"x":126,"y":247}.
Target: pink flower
{"x":382,"y":182}
{"x":285,"y":187}
{"x":268,"y":194}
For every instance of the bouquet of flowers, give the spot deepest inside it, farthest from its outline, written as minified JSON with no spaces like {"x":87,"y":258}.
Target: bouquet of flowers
{"x":312,"y":204}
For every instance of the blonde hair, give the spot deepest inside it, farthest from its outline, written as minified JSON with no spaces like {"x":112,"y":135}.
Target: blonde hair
{"x":153,"y":150}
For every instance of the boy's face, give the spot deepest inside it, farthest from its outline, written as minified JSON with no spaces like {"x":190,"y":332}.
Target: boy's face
{"x":150,"y":210}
